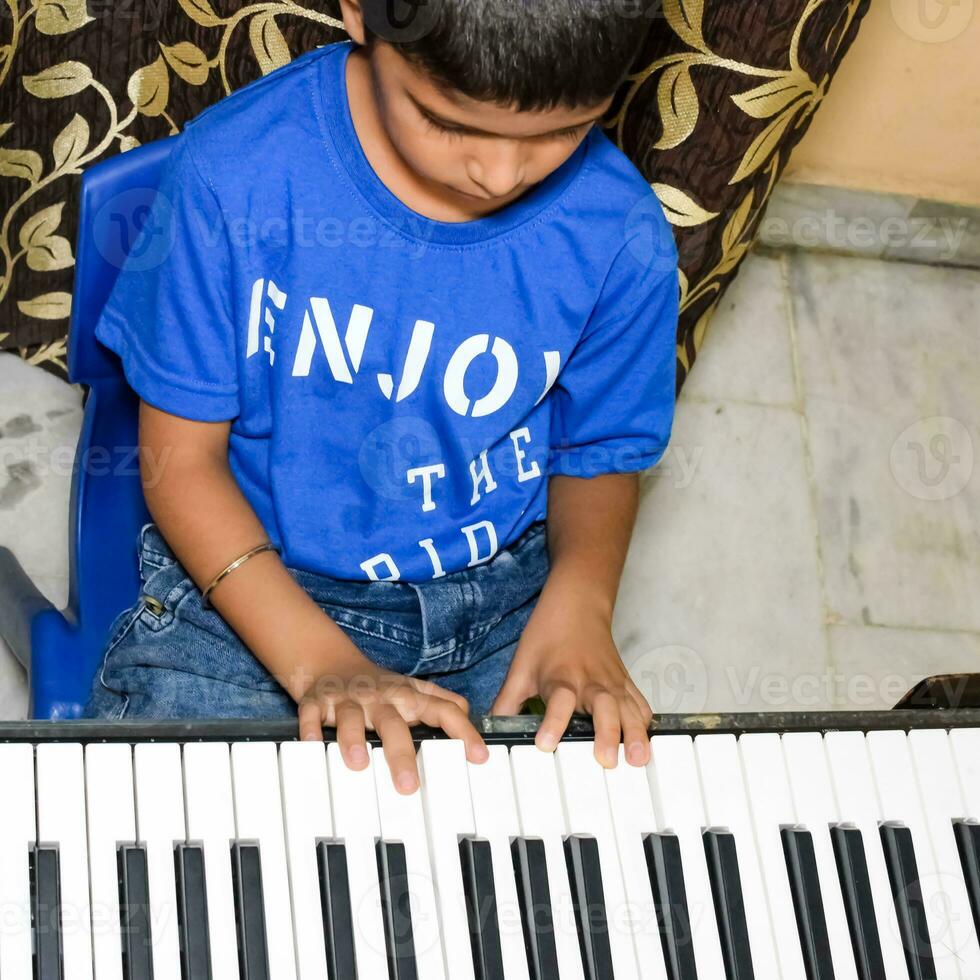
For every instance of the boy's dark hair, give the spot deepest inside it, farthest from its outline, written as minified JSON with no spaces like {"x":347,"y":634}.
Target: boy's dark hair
{"x":528,"y":54}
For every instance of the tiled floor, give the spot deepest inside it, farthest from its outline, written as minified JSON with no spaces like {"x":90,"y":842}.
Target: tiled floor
{"x":811,"y":539}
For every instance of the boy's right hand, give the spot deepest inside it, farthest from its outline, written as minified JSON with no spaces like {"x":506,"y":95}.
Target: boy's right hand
{"x":360,"y":695}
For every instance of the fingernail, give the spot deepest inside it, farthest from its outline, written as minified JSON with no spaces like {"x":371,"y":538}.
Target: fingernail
{"x":406,"y":782}
{"x":480,"y":753}
{"x":547,"y":742}
{"x":635,"y":753}
{"x":358,"y":754}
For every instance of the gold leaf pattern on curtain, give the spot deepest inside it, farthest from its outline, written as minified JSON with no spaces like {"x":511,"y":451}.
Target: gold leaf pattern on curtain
{"x":721,"y":92}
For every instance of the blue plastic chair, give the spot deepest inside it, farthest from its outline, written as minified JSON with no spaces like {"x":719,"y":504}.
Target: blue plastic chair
{"x":61,"y":650}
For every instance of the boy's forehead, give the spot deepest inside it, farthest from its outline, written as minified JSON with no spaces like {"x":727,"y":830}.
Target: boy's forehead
{"x":451,"y":105}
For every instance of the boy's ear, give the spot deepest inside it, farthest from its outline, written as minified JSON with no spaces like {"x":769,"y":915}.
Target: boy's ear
{"x":353,"y":17}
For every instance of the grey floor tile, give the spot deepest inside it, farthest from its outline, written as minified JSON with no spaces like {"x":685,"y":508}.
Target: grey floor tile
{"x":888,"y":336}
{"x":874,"y":667}
{"x":746,"y":354}
{"x":720,"y":605}
{"x":890,"y":364}
{"x":40,"y":417}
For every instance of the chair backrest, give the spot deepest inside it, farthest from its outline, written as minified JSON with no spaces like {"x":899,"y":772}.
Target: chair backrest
{"x":107,"y":506}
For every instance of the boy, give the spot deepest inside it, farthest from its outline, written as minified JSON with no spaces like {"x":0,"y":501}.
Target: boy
{"x":396,"y":322}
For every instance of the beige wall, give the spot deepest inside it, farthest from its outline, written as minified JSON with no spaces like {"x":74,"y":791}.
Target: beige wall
{"x":903,"y":113}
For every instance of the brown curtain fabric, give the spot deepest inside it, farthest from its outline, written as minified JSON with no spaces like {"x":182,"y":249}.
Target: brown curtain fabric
{"x":722,"y":91}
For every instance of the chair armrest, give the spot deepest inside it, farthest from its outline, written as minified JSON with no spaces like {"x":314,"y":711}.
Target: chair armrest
{"x":20,"y":602}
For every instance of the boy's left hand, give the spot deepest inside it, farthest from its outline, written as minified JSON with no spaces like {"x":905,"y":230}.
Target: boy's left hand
{"x":566,"y":656}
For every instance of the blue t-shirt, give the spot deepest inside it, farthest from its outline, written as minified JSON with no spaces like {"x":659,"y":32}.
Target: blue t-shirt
{"x":399,"y":388}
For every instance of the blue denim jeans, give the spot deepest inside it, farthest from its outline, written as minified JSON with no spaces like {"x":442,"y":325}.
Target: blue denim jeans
{"x":169,"y":657}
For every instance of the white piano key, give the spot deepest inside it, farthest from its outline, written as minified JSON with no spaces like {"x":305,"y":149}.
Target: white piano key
{"x":495,"y":814}
{"x":895,"y":782}
{"x":633,"y":817}
{"x":816,"y":809}
{"x":942,"y":803}
{"x":258,"y":817}
{"x":306,"y":811}
{"x":583,"y":788}
{"x":448,"y":814}
{"x":17,"y":833}
{"x":679,"y":807}
{"x":159,"y":825}
{"x":111,"y":803}
{"x":726,"y":805}
{"x":771,"y":806}
{"x":211,"y":820}
{"x":356,"y":822}
{"x":61,"y":821}
{"x":539,"y":806}
{"x":857,"y":802}
{"x":966,"y":750}
{"x":402,"y":819}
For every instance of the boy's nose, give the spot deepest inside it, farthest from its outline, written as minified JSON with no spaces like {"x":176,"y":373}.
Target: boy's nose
{"x":497,"y":171}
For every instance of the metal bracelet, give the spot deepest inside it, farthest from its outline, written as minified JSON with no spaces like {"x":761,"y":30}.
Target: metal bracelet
{"x":268,"y":546}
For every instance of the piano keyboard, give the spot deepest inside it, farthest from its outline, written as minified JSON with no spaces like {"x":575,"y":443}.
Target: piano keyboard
{"x":230,"y":852}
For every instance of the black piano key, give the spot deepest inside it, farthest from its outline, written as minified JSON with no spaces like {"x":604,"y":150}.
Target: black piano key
{"x":585,"y":879}
{"x":967,"y":834}
{"x":338,"y":923}
{"x":481,"y":908}
{"x":852,"y":869}
{"x":45,"y":876}
{"x":246,"y":870}
{"x":134,"y":912}
{"x":537,"y":917}
{"x":903,"y":874}
{"x":192,"y":912}
{"x":804,"y":884}
{"x":726,"y":890}
{"x":396,"y":910}
{"x":663,"y":856}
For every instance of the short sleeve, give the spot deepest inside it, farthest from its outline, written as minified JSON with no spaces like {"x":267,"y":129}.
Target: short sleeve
{"x":614,"y":399}
{"x":169,"y":315}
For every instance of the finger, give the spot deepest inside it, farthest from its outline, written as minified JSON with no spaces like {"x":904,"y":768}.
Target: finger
{"x":558,"y":712}
{"x":516,"y":690}
{"x":457,"y":724}
{"x":350,"y":734}
{"x":606,"y":722}
{"x":636,"y":743}
{"x":642,"y":704}
{"x":399,"y":750}
{"x":310,"y":716}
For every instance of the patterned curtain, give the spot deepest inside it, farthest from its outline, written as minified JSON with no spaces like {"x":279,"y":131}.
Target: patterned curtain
{"x":721,"y":93}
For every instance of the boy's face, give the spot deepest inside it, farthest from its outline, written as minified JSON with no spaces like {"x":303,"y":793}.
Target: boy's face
{"x":478,"y":154}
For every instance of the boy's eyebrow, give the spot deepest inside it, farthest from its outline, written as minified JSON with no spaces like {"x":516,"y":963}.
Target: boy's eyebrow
{"x":452,"y":124}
